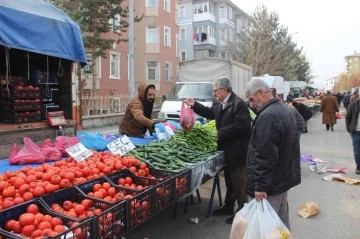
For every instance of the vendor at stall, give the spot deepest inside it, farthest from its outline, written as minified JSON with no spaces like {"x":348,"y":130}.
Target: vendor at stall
{"x":138,"y":116}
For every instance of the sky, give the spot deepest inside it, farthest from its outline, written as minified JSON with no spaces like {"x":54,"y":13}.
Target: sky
{"x":328,"y":30}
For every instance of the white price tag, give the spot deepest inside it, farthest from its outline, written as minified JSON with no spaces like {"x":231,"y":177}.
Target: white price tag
{"x":79,"y":152}
{"x":121,"y":146}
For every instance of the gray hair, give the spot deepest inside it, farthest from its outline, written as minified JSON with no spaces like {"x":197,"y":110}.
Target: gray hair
{"x":223,"y":83}
{"x":256,"y":84}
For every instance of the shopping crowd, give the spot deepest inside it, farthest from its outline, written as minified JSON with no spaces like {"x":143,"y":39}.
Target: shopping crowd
{"x":262,"y":154}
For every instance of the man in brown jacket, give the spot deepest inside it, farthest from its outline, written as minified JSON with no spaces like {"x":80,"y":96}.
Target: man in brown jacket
{"x":138,"y":116}
{"x":329,"y":107}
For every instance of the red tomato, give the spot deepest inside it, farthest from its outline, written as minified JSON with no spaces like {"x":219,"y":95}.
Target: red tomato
{"x":17,"y":228}
{"x":128,"y":180}
{"x":65,"y":183}
{"x":49,"y":188}
{"x":27,"y":219}
{"x":70,"y":176}
{"x":27,"y":196}
{"x":36,"y":233}
{"x":24,"y":188}
{"x":143,"y":165}
{"x":98,"y":195}
{"x":18,"y":182}
{"x":18,"y":200}
{"x":79,"y":209}
{"x":3,"y":185}
{"x":8,"y":192}
{"x":55,"y":179}
{"x":96,"y":187}
{"x":28,"y":230}
{"x":32,"y":208}
{"x":39,"y":216}
{"x":67,"y":205}
{"x":9,"y":224}
{"x":86,"y":203}
{"x":39,"y":191}
{"x":106,"y":185}
{"x":59,"y":228}
{"x":30,"y":178}
{"x":47,"y":218}
{"x":56,"y":222}
{"x":44,"y":225}
{"x":46,"y":232}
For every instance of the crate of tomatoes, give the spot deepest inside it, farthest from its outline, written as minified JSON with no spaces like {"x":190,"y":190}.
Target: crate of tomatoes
{"x":162,"y":181}
{"x":34,"y":220}
{"x":139,"y":202}
{"x":108,"y":219}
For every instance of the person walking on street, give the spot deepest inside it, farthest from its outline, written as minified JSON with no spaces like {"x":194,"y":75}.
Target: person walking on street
{"x":346,"y":100}
{"x":305,"y":112}
{"x":233,"y":120}
{"x":355,"y":97}
{"x":329,"y":106}
{"x":273,"y":161}
{"x":352,"y":121}
{"x":339,"y":98}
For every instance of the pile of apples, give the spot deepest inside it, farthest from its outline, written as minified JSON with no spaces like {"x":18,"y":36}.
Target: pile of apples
{"x":36,"y":225}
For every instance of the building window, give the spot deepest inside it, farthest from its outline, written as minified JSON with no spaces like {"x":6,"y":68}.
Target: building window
{"x":231,"y":35}
{"x":167,"y":37}
{"x":222,"y":12}
{"x":115,"y":65}
{"x":115,"y":23}
{"x":356,"y":66}
{"x":238,"y":25}
{"x":182,"y":34}
{"x":152,"y":71}
{"x":201,"y":8}
{"x":212,"y":32}
{"x":211,"y":8}
{"x":230,"y":13}
{"x":151,"y":3}
{"x":223,"y":55}
{"x":182,"y":12}
{"x":223,"y":35}
{"x":356,"y":58}
{"x":167,"y":5}
{"x":168,"y":71}
{"x":152,"y":34}
{"x":86,"y":71}
{"x":182,"y":55}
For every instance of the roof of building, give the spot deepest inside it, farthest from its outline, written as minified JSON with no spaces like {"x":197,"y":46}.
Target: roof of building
{"x":353,"y":55}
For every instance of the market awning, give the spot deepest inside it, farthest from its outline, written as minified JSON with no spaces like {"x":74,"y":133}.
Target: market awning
{"x":36,"y":26}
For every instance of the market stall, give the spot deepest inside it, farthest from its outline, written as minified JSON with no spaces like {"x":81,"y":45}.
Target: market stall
{"x":104,"y":194}
{"x":38,"y":44}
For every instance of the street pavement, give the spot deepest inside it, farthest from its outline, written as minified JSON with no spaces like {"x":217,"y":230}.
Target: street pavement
{"x":339,"y":216}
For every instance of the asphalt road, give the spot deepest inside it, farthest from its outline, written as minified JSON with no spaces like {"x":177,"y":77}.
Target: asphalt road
{"x":339,"y":216}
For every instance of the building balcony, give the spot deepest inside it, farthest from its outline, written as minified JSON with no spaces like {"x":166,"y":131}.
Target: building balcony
{"x":210,"y":40}
{"x":204,"y":17}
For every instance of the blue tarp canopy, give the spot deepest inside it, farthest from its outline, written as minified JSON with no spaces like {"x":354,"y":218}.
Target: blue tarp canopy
{"x":36,"y":26}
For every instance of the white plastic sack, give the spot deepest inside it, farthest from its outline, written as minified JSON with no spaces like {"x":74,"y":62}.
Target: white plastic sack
{"x":258,"y":220}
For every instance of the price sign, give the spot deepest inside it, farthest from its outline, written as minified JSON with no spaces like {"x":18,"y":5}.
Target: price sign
{"x":79,"y":152}
{"x":121,"y":146}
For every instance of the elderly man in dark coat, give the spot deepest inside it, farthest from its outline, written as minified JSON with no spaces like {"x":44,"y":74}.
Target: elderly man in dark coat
{"x":233,"y":128}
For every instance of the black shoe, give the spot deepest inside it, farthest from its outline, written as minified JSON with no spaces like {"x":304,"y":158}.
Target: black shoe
{"x":224,"y":211}
{"x":332,"y":127}
{"x":357,"y":170}
{"x":230,"y":220}
{"x":327,"y":129}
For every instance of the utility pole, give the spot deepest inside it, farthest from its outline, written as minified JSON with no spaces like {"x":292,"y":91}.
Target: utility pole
{"x":131,"y":50}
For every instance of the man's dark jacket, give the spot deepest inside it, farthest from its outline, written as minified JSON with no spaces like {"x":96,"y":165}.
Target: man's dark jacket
{"x":352,"y":116}
{"x":233,"y":126}
{"x":273,"y":163}
{"x":305,"y":112}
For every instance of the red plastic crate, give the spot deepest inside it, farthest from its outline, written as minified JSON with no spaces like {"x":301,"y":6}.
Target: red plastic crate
{"x":109,"y":224}
{"x":82,"y":230}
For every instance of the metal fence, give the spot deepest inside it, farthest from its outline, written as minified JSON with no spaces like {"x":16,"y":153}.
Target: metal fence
{"x":110,"y":104}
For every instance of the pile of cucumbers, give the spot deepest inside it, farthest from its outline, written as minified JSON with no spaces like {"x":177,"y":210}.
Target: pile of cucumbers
{"x":169,"y":155}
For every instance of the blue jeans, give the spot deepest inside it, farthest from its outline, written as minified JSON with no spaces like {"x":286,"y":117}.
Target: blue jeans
{"x":356,"y":145}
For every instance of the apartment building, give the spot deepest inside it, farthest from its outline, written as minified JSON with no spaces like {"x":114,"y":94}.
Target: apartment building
{"x":352,"y":63}
{"x":209,"y":28}
{"x":331,"y":82}
{"x":111,"y":72}
{"x":156,"y":57}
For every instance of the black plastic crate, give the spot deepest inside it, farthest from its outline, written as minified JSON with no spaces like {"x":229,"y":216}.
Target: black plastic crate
{"x":140,"y":208}
{"x":110,"y":223}
{"x":143,"y":181}
{"x":81,"y":230}
{"x":182,"y":184}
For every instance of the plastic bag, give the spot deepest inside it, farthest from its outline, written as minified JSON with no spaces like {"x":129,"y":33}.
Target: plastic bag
{"x":338,"y":116}
{"x":30,"y":154}
{"x":258,"y":220}
{"x":50,"y":152}
{"x":63,"y":142}
{"x":93,"y":141}
{"x":187,"y":117}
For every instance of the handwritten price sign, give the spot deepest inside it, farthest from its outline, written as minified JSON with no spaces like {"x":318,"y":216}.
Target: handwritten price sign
{"x":79,"y":152}
{"x":121,"y":146}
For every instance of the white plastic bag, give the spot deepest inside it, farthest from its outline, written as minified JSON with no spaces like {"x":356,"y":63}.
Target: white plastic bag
{"x":258,"y":220}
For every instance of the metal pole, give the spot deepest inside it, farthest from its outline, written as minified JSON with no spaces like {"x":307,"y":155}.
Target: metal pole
{"x":131,"y":50}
